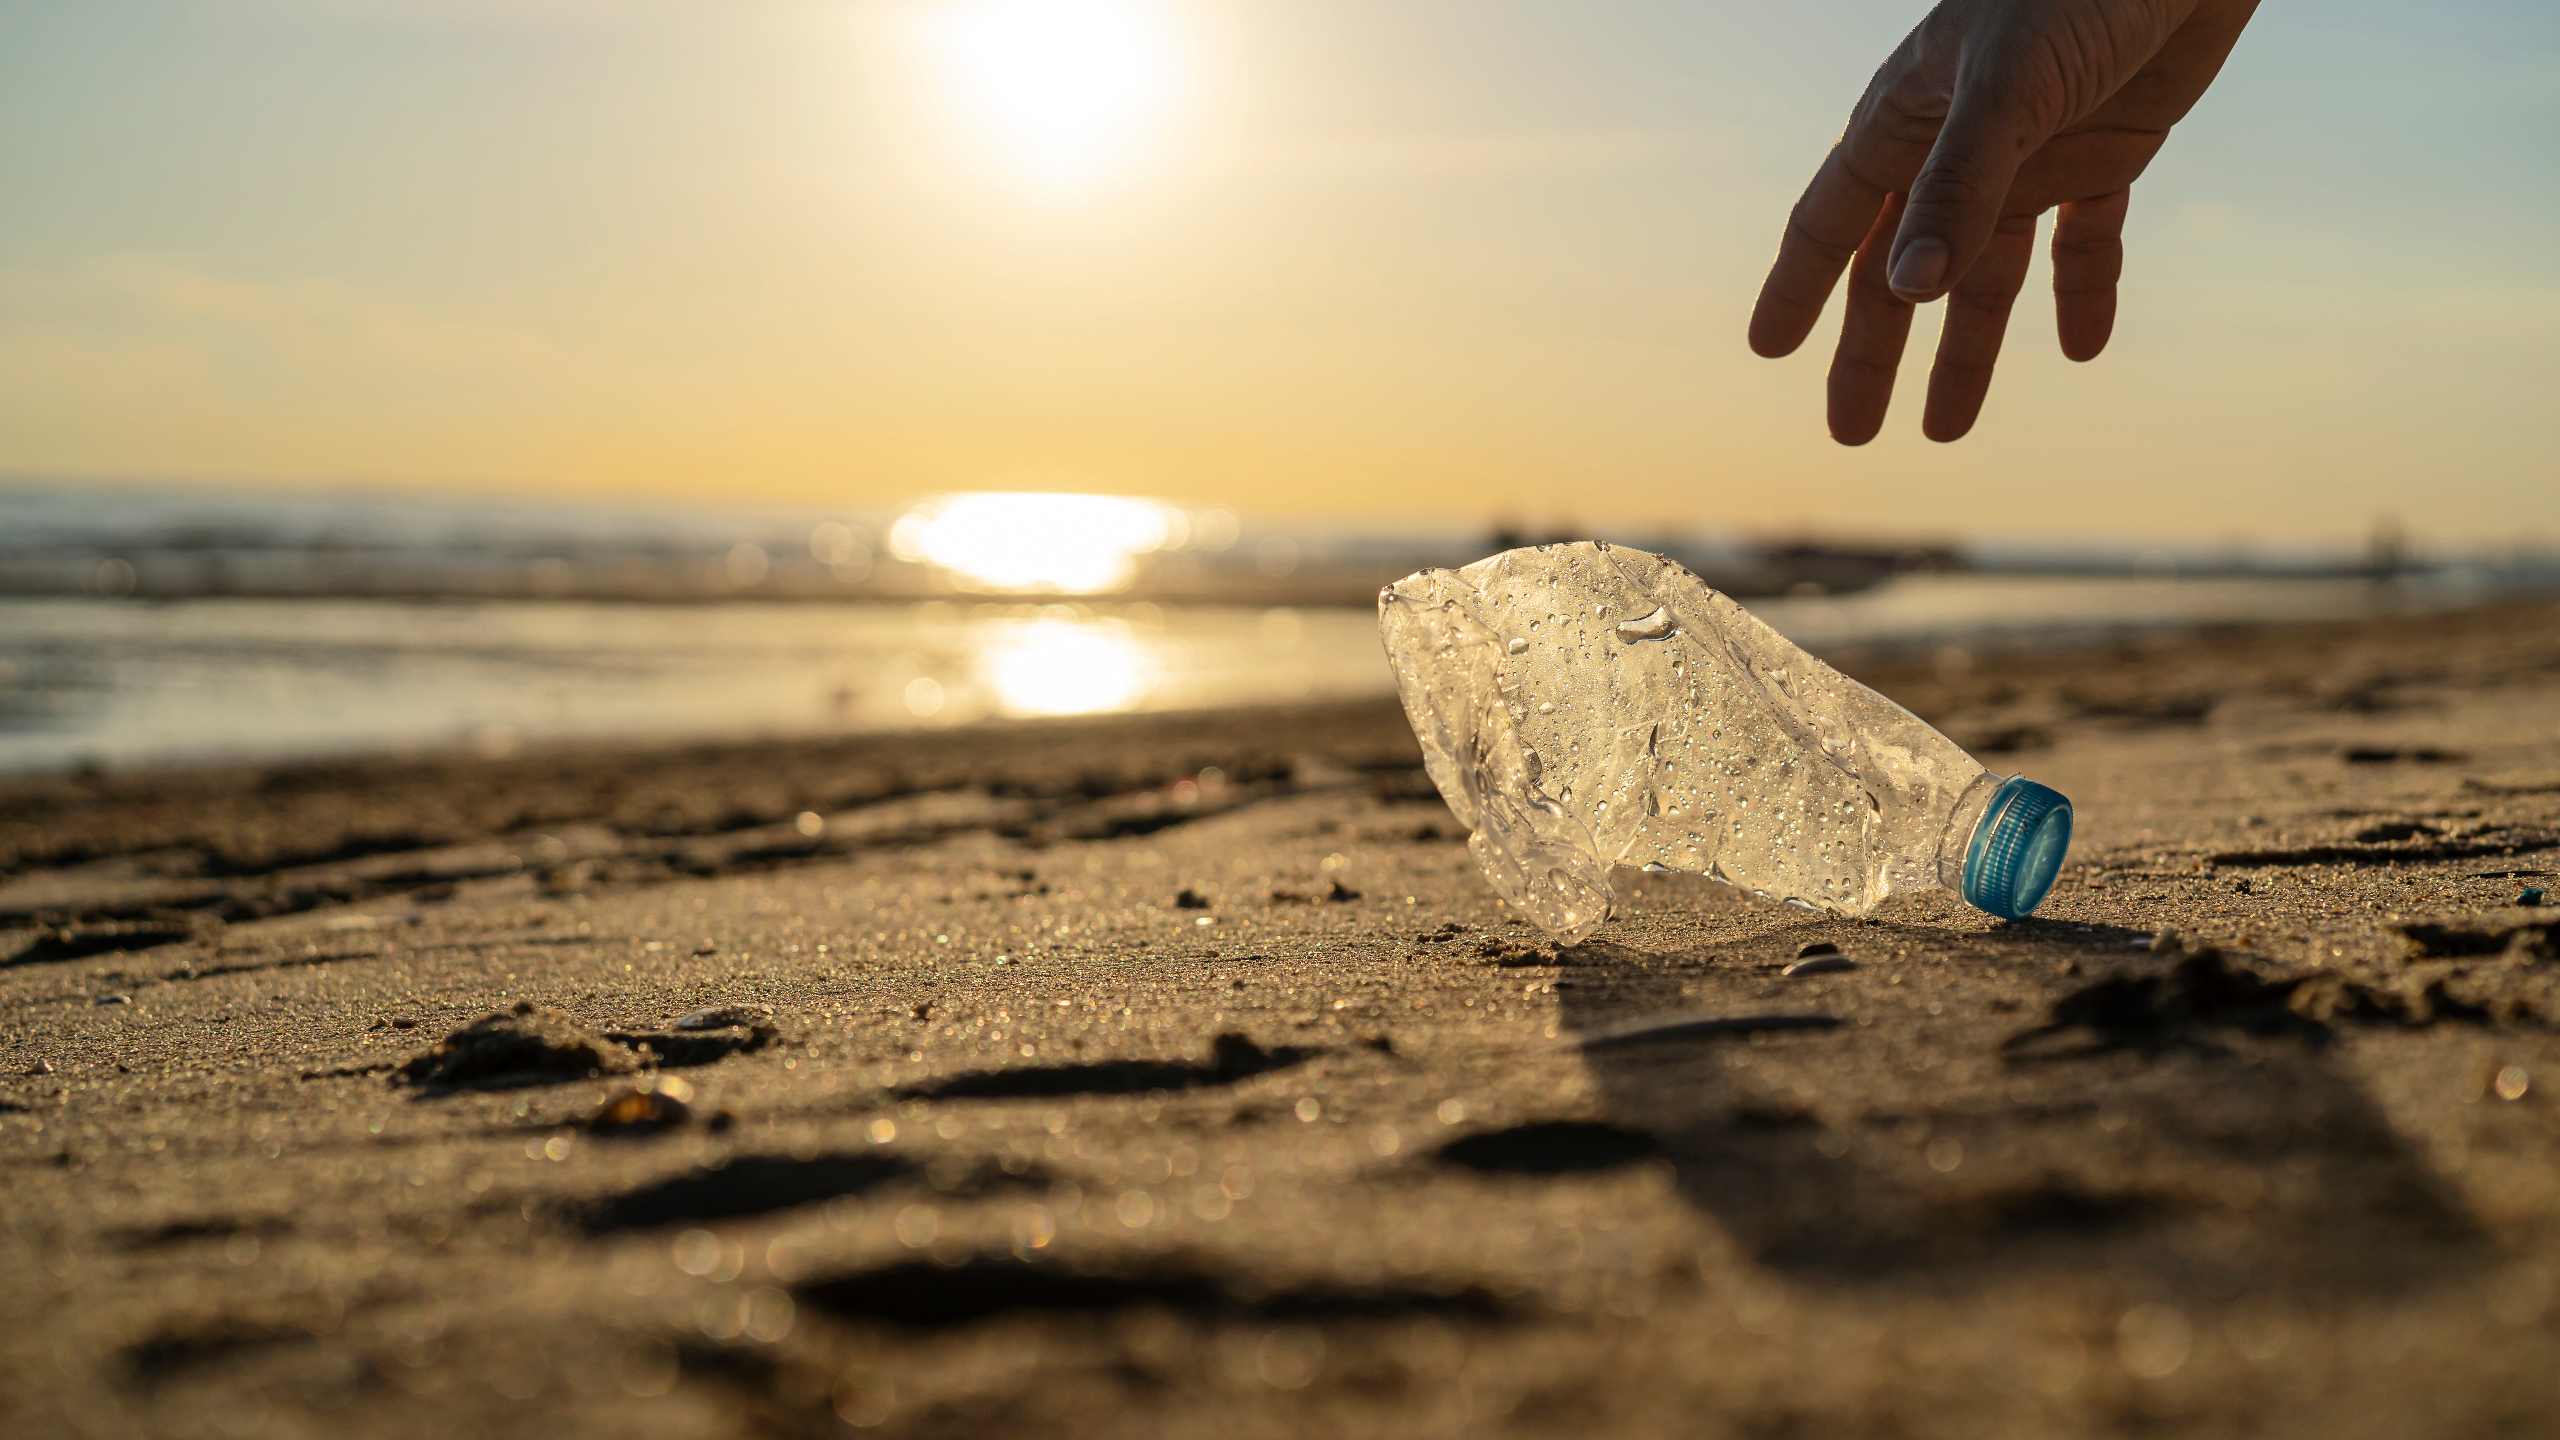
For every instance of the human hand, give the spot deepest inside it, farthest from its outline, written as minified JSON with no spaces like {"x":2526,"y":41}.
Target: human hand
{"x":1989,"y":114}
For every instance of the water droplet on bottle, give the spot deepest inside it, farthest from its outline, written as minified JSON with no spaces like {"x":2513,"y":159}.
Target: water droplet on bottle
{"x":1653,"y":625}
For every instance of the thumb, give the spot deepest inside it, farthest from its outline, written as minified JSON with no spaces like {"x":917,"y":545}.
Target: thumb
{"x":1956,"y":200}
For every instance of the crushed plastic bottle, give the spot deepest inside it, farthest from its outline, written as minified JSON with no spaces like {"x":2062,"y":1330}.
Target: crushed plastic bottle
{"x":1588,"y":707}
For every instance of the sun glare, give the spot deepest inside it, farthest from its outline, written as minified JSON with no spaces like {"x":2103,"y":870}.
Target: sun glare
{"x":1071,"y":89}
{"x":1071,"y":544}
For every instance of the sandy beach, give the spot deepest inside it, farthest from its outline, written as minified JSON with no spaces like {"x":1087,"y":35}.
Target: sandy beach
{"x":1179,"y":1075}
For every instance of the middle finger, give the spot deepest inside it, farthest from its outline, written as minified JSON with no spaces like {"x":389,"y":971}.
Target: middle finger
{"x":1977,"y":319}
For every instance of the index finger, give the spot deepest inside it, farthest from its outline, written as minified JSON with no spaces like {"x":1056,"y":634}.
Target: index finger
{"x":1823,"y":231}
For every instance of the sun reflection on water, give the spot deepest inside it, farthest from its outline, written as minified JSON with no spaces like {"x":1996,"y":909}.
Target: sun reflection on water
{"x":1065,"y":667}
{"x":1068,"y":544}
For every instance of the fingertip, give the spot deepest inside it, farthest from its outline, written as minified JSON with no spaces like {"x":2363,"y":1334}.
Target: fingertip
{"x":1861,"y":388}
{"x":1947,"y":429}
{"x":1919,"y":272}
{"x":1861,"y":397}
{"x":1775,"y":337}
{"x":1855,"y":433}
{"x":2084,"y":337}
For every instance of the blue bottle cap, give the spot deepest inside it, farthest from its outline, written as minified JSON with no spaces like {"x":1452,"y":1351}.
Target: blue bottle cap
{"x":2017,"y":849}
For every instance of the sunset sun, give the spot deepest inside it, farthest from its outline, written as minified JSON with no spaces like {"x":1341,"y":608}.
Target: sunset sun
{"x":1068,"y":91}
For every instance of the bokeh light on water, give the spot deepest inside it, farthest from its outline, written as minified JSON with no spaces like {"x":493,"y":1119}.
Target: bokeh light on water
{"x":1053,"y":666}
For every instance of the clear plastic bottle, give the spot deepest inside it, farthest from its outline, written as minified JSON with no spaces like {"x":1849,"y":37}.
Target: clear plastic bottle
{"x":1585,"y":707}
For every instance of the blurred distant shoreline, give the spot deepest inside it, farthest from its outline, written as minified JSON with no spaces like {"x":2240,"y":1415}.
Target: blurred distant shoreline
{"x":149,"y":630}
{"x":62,"y":540}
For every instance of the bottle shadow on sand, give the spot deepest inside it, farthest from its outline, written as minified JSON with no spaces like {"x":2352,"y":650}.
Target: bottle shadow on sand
{"x":2080,"y":1107}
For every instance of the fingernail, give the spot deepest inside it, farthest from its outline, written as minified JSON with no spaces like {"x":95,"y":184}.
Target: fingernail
{"x":1920,"y":269}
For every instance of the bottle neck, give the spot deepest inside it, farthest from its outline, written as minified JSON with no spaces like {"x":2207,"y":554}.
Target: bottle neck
{"x":1956,"y":841}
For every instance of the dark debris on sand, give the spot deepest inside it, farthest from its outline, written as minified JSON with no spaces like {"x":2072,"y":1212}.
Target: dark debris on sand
{"x":172,"y":1353}
{"x":703,"y":1037}
{"x":2518,"y":942}
{"x":926,"y":1295}
{"x":2400,"y":755}
{"x":743,"y":1186}
{"x":1549,"y":1147}
{"x":2208,"y":989}
{"x":534,"y":1045}
{"x":740,"y":1187}
{"x":81,"y":942}
{"x":1335,"y":893}
{"x":1232,"y":1058}
{"x":528,"y":1045}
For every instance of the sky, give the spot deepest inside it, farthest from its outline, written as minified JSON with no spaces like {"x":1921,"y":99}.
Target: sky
{"x":1370,"y":260}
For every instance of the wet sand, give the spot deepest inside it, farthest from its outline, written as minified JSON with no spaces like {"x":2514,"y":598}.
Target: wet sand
{"x":1178,"y":1075}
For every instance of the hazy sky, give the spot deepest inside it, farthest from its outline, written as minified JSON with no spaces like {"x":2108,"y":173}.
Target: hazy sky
{"x":1330,"y":257}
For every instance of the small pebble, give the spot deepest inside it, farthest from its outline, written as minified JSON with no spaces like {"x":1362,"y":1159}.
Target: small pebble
{"x":1819,"y":965}
{"x":1812,"y":948}
{"x":1190,"y":899}
{"x":115,"y":999}
{"x":41,"y":1067}
{"x":2531,"y":896}
{"x":662,"y":1102}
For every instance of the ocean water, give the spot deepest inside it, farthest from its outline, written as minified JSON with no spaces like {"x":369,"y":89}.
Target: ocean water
{"x":123,"y":683}
{"x":141,"y":630}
